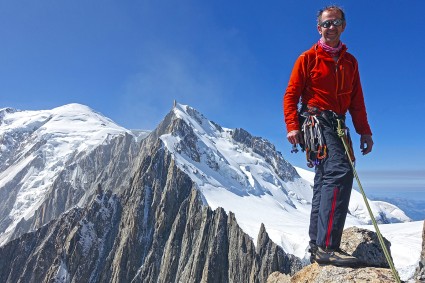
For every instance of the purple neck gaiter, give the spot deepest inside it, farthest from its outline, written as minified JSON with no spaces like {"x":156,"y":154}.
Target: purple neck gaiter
{"x":332,"y":51}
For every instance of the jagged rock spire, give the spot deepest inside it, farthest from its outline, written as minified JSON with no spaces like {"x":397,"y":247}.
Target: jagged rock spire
{"x":420,"y":271}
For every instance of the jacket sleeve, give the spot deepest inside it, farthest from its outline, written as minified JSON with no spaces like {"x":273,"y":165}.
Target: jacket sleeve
{"x":293,"y":93}
{"x":357,"y":107}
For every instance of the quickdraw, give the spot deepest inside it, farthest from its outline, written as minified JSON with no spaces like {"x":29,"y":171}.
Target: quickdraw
{"x":314,"y":143}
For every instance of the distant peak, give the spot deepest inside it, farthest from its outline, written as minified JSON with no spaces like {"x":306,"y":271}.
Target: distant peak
{"x":7,"y":110}
{"x":179,"y":106}
{"x":74,"y":107}
{"x":185,"y":111}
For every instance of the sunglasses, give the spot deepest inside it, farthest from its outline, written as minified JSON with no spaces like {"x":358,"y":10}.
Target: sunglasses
{"x":329,"y":23}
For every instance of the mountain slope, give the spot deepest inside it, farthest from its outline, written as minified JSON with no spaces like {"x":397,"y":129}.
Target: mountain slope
{"x":48,"y":160}
{"x":246,"y":175}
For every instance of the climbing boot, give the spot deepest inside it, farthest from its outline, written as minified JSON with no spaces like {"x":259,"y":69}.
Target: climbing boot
{"x":335,"y":257}
{"x":312,"y":250}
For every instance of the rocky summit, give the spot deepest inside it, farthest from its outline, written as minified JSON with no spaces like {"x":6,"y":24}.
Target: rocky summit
{"x":329,"y":274}
{"x":363,"y":244}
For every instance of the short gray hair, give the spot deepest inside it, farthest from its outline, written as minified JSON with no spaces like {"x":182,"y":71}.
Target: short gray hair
{"x":327,"y":8}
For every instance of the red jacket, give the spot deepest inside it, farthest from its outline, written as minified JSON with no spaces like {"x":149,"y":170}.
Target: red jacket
{"x":328,"y":85}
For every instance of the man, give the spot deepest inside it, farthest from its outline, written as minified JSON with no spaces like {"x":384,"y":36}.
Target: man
{"x":326,"y":80}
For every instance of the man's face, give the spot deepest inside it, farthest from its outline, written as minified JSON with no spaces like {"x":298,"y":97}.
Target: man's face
{"x":331,"y":34}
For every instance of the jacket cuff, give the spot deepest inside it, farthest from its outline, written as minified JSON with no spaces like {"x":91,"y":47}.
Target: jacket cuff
{"x":292,"y":127}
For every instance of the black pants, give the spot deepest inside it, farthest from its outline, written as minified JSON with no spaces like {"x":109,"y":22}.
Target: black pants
{"x":331,"y":193}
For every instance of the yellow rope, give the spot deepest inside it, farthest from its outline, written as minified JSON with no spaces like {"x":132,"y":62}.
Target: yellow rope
{"x":341,"y":134}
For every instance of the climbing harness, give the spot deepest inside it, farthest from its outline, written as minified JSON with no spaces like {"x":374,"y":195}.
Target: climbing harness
{"x":342,"y":134}
{"x":314,"y":145}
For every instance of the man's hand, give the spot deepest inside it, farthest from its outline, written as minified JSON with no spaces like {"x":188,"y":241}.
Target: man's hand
{"x":366,"y":140}
{"x":294,"y":137}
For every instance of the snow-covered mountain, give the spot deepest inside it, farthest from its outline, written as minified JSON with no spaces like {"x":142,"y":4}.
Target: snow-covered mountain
{"x":52,"y":161}
{"x":247,"y":176}
{"x":37,"y":148}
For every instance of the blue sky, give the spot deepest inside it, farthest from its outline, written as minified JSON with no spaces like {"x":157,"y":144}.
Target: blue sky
{"x":231,"y":60}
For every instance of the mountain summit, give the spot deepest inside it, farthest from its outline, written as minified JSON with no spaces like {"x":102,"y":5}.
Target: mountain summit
{"x":84,"y":199}
{"x":43,"y":169}
{"x":246,"y":175}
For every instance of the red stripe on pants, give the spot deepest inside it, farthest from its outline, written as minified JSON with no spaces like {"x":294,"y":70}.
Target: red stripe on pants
{"x":331,"y":217}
